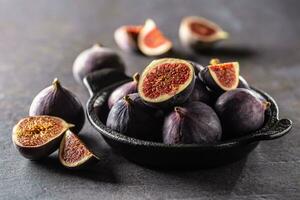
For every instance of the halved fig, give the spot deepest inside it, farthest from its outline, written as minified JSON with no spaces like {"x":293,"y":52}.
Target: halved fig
{"x":198,"y":32}
{"x":126,"y":37}
{"x":151,"y":40}
{"x":221,"y":77}
{"x":166,"y":82}
{"x":38,"y":136}
{"x":73,"y":153}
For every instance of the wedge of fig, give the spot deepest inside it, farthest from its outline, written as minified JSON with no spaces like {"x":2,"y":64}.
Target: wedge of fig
{"x":221,"y":77}
{"x":123,"y":90}
{"x":166,"y":82}
{"x":151,"y":40}
{"x":126,"y":37}
{"x":38,"y":136}
{"x":198,"y":32}
{"x":73,"y":153}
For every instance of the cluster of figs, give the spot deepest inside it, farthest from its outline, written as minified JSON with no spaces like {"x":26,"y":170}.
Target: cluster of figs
{"x":173,"y":101}
{"x":176,"y":101}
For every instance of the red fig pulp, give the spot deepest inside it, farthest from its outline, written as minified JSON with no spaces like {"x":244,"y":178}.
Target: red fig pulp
{"x":58,"y":101}
{"x":126,"y":37}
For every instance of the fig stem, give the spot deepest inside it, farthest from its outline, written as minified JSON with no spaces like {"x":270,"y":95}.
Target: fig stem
{"x":266,"y":104}
{"x":127,"y":99}
{"x":56,"y":83}
{"x":136,"y":77}
{"x":214,"y":61}
{"x":179,"y":110}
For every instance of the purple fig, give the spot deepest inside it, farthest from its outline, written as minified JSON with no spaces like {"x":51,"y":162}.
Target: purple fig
{"x":126,"y":37}
{"x":240,"y":111}
{"x":128,"y":116}
{"x":94,"y":59}
{"x":201,"y":93}
{"x":195,"y":123}
{"x":123,"y":90}
{"x":58,"y":101}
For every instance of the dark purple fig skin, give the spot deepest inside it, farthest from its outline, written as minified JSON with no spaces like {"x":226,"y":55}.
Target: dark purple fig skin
{"x":243,"y":83}
{"x":96,"y":58}
{"x":58,"y":101}
{"x":240,"y":111}
{"x":197,"y":67}
{"x":201,"y":93}
{"x":195,"y":123}
{"x":130,"y":116}
{"x":123,"y":90}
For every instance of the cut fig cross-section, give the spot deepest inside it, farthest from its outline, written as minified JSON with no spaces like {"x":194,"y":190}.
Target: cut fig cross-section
{"x":221,"y":77}
{"x":198,"y":32}
{"x":38,"y":136}
{"x":126,"y":37}
{"x":73,"y":153}
{"x":151,"y":40}
{"x":166,"y":82}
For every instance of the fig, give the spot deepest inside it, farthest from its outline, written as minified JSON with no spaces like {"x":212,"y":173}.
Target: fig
{"x":199,"y":33}
{"x":129,"y":117}
{"x":96,"y":58}
{"x":58,"y":101}
{"x":126,"y":37}
{"x":166,"y":82}
{"x":123,"y":90}
{"x":240,"y":111}
{"x":38,"y":136}
{"x":221,"y":77}
{"x":201,"y":93}
{"x":195,"y":123}
{"x":73,"y":153}
{"x":151,"y":40}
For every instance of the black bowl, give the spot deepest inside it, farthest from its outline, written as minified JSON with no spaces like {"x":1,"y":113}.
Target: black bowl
{"x":154,"y":154}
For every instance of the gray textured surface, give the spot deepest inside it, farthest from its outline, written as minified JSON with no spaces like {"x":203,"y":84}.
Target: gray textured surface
{"x":39,"y":41}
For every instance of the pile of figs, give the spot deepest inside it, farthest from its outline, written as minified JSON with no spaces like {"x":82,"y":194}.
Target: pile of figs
{"x":173,"y":104}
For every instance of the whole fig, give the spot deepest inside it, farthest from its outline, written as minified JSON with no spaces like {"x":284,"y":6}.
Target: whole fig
{"x":96,"y":58}
{"x":195,"y":123}
{"x":128,"y":116}
{"x":201,"y":93}
{"x":241,"y":112}
{"x":58,"y":101}
{"x":123,"y":90}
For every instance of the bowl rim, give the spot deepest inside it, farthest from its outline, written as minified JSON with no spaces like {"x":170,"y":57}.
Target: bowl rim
{"x":97,"y":99}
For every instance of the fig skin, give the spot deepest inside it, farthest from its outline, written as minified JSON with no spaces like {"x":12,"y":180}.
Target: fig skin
{"x":38,"y":152}
{"x":195,"y":123}
{"x":152,"y":51}
{"x":241,"y":112}
{"x":126,"y":40}
{"x":201,"y":93}
{"x":85,"y":162}
{"x":191,"y":40}
{"x":128,"y":116}
{"x":94,"y":59}
{"x":123,"y":90}
{"x":179,"y":97}
{"x":58,"y":101}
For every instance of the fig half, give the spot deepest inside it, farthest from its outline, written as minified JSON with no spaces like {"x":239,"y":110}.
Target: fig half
{"x":126,"y":37}
{"x":151,"y":40}
{"x":166,"y":82}
{"x":73,"y":153}
{"x":38,"y":136}
{"x":221,"y":77}
{"x":198,"y":32}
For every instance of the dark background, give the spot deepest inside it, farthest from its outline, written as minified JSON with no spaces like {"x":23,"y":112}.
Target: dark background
{"x":39,"y":40}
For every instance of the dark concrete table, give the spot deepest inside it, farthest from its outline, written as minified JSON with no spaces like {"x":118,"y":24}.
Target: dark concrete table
{"x":39,"y":41}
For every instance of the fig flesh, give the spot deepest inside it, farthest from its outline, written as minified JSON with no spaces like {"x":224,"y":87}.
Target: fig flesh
{"x":166,"y":82}
{"x":240,"y":111}
{"x":221,"y":77}
{"x":94,"y":59}
{"x":38,"y":136}
{"x":58,"y":101}
{"x":128,"y":116}
{"x":123,"y":90}
{"x":151,"y":40}
{"x":195,"y":123}
{"x":198,"y":32}
{"x":73,"y":153}
{"x":126,"y":37}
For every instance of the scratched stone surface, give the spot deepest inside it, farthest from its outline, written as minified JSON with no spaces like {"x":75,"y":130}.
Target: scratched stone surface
{"x":39,"y":40}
